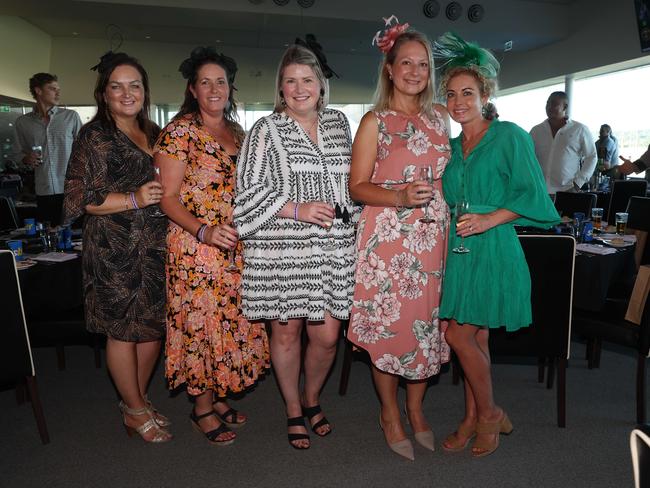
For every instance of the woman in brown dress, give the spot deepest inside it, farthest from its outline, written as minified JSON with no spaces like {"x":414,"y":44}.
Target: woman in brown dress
{"x":109,"y":179}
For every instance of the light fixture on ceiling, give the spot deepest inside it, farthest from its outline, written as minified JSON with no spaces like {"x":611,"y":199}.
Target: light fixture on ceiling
{"x":306,"y":3}
{"x":475,"y":13}
{"x":431,"y":8}
{"x":454,"y":10}
{"x":281,"y":3}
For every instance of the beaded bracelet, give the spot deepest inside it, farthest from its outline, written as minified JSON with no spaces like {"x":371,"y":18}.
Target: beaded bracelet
{"x":133,"y":201}
{"x":295,"y":211}
{"x":200,"y":234}
{"x":126,"y":201}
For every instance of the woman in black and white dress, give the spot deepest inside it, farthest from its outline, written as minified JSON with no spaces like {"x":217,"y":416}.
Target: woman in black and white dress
{"x":299,"y":258}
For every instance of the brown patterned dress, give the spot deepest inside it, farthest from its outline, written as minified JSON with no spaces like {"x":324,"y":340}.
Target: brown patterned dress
{"x":123,"y":253}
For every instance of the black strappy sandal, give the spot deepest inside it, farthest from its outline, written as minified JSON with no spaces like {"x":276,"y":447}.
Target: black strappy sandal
{"x":295,"y":422}
{"x":213,"y":435}
{"x":229,"y":417}
{"x":310,"y":413}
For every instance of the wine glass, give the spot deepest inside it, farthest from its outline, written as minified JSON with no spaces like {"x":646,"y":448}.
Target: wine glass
{"x":156,"y":176}
{"x":426,"y":174}
{"x":232,"y":266}
{"x":462,"y":208}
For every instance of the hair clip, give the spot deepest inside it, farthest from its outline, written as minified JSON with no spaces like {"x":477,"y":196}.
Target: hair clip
{"x":386,"y":39}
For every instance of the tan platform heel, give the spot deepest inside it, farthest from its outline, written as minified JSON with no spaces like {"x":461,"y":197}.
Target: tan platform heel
{"x":160,"y":434}
{"x":503,"y":426}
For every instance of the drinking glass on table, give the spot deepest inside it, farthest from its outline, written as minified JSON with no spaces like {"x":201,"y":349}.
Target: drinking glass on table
{"x":597,"y":218}
{"x":462,"y":208}
{"x":156,"y":176}
{"x":621,"y":223}
{"x":425,"y":173}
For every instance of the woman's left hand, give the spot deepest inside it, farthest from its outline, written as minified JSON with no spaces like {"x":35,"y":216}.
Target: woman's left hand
{"x":471,"y":224}
{"x":222,"y":235}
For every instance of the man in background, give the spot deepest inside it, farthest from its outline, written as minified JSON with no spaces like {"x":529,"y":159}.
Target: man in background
{"x":44,"y":140}
{"x":607,"y":148}
{"x":564,"y":147}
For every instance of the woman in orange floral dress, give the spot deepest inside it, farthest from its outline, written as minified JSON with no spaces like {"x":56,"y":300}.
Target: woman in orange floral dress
{"x":211,"y":347}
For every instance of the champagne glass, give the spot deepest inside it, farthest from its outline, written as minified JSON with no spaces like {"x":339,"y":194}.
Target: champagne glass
{"x":426,"y":174}
{"x":232,"y":266}
{"x":156,"y":176}
{"x":462,"y":207}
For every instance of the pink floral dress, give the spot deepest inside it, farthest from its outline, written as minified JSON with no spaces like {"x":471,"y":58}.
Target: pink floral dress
{"x":401,"y":260}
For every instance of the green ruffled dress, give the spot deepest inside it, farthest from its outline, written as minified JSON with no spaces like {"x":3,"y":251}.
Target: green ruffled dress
{"x":490,"y":285}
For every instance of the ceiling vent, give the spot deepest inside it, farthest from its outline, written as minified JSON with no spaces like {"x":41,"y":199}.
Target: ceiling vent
{"x":475,"y":13}
{"x":454,"y":10}
{"x":306,"y":3}
{"x":431,"y":9}
{"x":281,"y":3}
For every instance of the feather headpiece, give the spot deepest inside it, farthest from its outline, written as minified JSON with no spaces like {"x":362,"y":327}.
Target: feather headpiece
{"x":386,"y":39}
{"x":455,"y":51}
{"x":312,"y":44}
{"x":202,"y":54}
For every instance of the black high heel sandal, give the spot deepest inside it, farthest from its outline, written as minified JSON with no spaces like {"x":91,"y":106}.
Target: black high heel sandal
{"x":213,"y":435}
{"x":310,"y":413}
{"x":297,"y":422}
{"x":229,"y":417}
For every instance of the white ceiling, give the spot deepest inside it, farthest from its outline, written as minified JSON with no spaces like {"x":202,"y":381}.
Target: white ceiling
{"x":340,"y":25}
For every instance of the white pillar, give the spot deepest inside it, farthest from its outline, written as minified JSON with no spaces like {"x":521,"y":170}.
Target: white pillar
{"x":568,"y":89}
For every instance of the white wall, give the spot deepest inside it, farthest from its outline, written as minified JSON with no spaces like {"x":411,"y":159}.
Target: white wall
{"x":24,"y":50}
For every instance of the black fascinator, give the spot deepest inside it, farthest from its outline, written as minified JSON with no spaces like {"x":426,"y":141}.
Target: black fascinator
{"x":109,"y":60}
{"x":313,"y":45}
{"x":202,"y":54}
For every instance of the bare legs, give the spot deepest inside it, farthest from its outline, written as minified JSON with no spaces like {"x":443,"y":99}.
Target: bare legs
{"x":386,"y":386}
{"x":130,"y":365}
{"x":470,"y":344}
{"x":203,"y":405}
{"x":319,"y":356}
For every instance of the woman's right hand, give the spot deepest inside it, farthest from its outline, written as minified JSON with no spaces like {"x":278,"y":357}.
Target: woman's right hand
{"x":415,"y":194}
{"x":149,"y":194}
{"x":222,"y":235}
{"x":319,"y":213}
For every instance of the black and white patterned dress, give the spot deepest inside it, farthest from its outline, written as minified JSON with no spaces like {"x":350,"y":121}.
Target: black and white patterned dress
{"x":287,"y":273}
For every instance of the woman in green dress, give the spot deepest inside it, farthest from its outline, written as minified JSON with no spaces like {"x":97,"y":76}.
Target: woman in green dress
{"x":492,"y":182}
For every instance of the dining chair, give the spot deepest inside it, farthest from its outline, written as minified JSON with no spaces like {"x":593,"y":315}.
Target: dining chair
{"x":16,"y":362}
{"x":622,"y":191}
{"x":638,"y":222}
{"x":8,"y":215}
{"x":609,"y":325}
{"x":640,"y":451}
{"x":551,"y":260}
{"x":568,"y":203}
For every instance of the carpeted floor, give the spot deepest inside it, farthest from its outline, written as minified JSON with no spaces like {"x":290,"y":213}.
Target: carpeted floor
{"x":89,"y":447}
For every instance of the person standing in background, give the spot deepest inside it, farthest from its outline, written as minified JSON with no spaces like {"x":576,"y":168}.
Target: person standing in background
{"x":563,"y":147}
{"x":44,"y":140}
{"x":607,"y":149}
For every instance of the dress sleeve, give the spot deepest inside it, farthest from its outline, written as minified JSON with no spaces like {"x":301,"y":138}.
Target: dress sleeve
{"x":85,"y":180}
{"x":174,"y":141}
{"x":263,"y":178}
{"x":526,"y":191}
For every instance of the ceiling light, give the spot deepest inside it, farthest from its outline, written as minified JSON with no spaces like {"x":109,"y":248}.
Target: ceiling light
{"x":454,"y":10}
{"x":431,"y":8}
{"x":475,"y":13}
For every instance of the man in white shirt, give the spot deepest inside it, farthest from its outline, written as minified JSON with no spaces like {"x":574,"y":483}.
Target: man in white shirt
{"x":43,"y":141}
{"x":564,"y":147}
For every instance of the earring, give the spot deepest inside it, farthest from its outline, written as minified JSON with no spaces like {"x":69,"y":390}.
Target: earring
{"x":484,"y":111}
{"x":390,"y":77}
{"x":283,"y":102}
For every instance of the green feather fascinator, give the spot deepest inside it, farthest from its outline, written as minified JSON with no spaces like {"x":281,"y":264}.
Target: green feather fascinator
{"x":453,"y":51}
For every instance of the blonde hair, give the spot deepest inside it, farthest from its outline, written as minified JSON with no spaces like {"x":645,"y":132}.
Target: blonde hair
{"x":300,"y":55}
{"x":384,"y":90}
{"x":487,"y":86}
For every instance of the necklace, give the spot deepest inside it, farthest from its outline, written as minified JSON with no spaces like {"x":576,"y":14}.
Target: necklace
{"x":469,"y":144}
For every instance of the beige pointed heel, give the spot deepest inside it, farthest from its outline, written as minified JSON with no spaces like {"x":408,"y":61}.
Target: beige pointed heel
{"x":424,"y":438}
{"x":403,"y":448}
{"x":485,"y":448}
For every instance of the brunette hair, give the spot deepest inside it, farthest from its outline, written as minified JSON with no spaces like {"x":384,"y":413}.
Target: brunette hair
{"x":384,"y":89}
{"x":39,"y":80}
{"x":105,"y":69}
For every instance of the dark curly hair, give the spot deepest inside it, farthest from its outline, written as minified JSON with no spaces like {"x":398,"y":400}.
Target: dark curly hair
{"x":189,"y":68}
{"x":105,"y":68}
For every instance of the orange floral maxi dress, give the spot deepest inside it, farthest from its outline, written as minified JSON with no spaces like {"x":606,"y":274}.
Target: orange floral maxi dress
{"x":400,"y":260}
{"x":210,"y":345}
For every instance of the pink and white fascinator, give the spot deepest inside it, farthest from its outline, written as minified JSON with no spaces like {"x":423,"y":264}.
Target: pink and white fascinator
{"x":386,"y":38}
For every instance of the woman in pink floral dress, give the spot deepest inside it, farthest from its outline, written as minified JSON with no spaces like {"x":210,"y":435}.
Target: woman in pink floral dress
{"x":401,"y":259}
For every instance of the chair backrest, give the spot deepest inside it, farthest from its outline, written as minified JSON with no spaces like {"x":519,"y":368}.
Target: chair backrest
{"x":568,"y":203}
{"x":638,"y":221}
{"x":8,"y":215}
{"x":551,"y":260}
{"x":622,"y":191}
{"x":15,"y":351}
{"x":640,"y":451}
